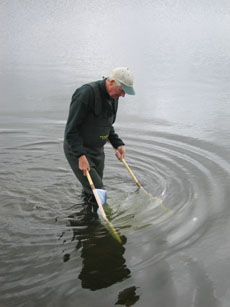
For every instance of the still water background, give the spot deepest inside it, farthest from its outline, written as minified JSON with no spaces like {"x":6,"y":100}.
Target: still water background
{"x":176,"y":131}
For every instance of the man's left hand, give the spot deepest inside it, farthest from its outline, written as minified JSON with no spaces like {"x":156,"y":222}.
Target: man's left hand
{"x":120,"y":152}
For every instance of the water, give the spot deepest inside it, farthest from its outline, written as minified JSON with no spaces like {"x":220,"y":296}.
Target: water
{"x":176,"y":130}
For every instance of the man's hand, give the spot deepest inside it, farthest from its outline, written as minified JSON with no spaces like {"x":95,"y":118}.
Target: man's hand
{"x":120,"y":152}
{"x":83,"y":164}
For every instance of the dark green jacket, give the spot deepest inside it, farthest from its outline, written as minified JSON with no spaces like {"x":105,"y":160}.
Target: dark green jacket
{"x":90,"y":126}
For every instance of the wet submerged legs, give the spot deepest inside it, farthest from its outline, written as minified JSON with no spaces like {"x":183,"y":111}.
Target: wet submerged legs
{"x":96,"y":160}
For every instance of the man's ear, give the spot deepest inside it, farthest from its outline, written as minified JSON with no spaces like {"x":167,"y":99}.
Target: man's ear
{"x":112,"y":82}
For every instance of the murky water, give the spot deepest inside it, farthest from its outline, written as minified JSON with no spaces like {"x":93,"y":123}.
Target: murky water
{"x":175,"y":249}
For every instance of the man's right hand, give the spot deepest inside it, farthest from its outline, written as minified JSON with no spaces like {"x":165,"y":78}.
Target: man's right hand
{"x":83,"y":164}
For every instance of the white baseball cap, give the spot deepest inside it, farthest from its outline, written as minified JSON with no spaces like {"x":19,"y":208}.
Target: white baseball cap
{"x":125,"y":77}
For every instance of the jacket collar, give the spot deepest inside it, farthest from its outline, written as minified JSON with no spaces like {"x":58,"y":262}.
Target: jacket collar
{"x":103,"y":89}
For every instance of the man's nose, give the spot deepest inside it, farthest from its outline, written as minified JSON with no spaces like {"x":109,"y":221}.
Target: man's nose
{"x":123,"y":94}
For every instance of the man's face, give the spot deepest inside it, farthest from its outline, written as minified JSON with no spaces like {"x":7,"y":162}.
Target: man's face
{"x":115,"y":91}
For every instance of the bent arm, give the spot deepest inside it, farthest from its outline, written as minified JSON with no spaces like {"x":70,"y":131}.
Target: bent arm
{"x":117,"y":143}
{"x":77,"y":114}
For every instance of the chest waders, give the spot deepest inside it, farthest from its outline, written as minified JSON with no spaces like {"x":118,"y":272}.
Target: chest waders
{"x":94,"y":132}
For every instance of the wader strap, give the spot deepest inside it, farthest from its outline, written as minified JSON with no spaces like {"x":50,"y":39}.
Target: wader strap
{"x":97,"y":94}
{"x":115,"y":105}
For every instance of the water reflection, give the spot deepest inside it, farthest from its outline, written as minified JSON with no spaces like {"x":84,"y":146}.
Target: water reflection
{"x":200,"y":289}
{"x":128,"y":297}
{"x":103,"y":263}
{"x":151,"y":270}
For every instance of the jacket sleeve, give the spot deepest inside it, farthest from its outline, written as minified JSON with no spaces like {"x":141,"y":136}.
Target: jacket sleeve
{"x":78,"y":111}
{"x":114,"y":138}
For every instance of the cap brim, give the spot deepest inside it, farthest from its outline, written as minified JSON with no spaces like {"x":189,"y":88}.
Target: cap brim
{"x":128,"y":89}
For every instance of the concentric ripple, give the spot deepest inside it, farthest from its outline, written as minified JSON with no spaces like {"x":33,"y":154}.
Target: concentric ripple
{"x":187,"y":176}
{"x":44,"y":225}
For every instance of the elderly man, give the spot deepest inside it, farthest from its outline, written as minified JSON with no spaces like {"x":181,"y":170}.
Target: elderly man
{"x":90,"y":124}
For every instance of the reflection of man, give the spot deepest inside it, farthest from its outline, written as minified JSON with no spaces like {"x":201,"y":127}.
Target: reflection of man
{"x":128,"y":297}
{"x":103,"y":263}
{"x":90,"y":124}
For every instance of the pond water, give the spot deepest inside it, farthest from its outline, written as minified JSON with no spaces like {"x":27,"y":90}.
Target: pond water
{"x":175,"y":247}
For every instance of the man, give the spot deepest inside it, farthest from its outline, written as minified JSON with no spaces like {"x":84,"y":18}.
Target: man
{"x":90,"y":124}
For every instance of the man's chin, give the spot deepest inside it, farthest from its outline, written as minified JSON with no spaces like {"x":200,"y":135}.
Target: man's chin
{"x":115,"y":96}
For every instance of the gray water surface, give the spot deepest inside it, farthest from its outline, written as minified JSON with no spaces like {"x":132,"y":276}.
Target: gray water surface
{"x":175,"y":246}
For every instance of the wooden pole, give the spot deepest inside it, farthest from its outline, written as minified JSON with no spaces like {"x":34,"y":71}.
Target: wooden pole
{"x":111,"y":227}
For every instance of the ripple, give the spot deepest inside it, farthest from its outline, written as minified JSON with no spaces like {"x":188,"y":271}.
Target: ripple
{"x":190,"y":176}
{"x":12,"y":131}
{"x":43,"y":228}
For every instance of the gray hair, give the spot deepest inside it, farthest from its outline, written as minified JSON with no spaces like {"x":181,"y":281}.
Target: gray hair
{"x":117,"y":83}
